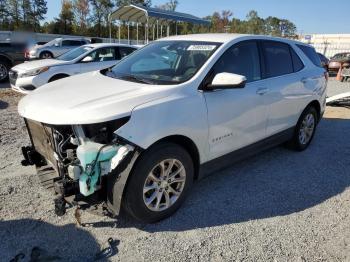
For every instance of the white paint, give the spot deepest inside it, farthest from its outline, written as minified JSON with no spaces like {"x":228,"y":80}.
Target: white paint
{"x":217,"y":122}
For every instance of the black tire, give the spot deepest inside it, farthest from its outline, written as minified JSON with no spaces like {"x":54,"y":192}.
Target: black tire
{"x":133,"y":201}
{"x":57,"y":77}
{"x":296,"y":142}
{"x":5,"y":68}
{"x":45,"y":55}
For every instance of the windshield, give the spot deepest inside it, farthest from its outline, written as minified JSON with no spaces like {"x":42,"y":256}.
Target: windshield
{"x":76,"y":52}
{"x":164,"y":62}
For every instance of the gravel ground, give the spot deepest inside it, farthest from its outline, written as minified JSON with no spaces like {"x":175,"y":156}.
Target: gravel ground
{"x":277,"y":206}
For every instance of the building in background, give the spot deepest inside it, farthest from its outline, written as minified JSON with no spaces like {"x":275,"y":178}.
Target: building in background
{"x":328,"y":44}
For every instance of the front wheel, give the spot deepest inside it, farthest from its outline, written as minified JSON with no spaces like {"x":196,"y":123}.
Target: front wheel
{"x":305,"y":129}
{"x":159,"y":183}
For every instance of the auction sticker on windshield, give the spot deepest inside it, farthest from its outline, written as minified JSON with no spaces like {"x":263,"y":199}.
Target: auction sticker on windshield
{"x":201,"y":47}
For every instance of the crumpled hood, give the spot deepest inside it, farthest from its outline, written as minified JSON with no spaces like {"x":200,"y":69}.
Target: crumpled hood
{"x":87,"y":98}
{"x":38,"y":64}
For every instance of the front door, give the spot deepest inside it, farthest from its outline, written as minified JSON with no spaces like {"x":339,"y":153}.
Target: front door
{"x":237,"y":117}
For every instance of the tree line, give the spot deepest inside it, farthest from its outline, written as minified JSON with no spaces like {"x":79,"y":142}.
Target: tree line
{"x":90,"y":18}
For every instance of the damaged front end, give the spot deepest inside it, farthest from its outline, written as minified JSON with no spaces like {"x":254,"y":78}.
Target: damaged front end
{"x":81,"y":162}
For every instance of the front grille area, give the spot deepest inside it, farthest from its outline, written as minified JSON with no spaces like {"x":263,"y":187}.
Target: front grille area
{"x":13,"y":75}
{"x":42,"y":139}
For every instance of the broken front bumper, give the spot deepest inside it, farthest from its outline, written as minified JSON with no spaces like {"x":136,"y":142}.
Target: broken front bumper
{"x":55,"y":177}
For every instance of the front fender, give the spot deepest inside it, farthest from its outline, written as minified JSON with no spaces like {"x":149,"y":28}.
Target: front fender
{"x":178,"y":114}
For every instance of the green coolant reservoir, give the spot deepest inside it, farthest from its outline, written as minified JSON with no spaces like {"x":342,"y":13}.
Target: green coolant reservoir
{"x":87,"y":154}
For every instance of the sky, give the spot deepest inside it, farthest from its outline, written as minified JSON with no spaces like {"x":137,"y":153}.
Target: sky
{"x":310,"y":16}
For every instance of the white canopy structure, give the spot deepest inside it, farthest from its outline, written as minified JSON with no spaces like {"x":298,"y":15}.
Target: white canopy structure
{"x":148,"y":16}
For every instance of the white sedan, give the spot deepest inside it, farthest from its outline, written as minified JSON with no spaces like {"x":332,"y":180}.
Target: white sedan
{"x":26,"y":77}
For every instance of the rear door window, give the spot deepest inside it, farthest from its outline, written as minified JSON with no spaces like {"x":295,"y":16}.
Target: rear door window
{"x":311,"y":54}
{"x":278,"y":59}
{"x":72,"y":43}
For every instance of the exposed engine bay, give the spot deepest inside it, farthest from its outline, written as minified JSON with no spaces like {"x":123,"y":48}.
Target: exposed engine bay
{"x":80,"y":156}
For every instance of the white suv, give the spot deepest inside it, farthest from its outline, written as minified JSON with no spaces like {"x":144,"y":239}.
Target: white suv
{"x":139,"y":134}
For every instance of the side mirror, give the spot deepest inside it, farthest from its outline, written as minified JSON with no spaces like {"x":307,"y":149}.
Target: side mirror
{"x":227,"y":81}
{"x":56,"y":44}
{"x":87,"y":59}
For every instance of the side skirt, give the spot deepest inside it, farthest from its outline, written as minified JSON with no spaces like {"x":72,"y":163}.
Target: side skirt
{"x":245,"y":152}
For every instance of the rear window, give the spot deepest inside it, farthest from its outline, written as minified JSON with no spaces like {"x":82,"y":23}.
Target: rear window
{"x":278,"y":60}
{"x":297,"y":63}
{"x":311,"y":54}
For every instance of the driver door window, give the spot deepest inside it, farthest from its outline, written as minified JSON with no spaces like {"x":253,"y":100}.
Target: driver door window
{"x":101,"y":59}
{"x":103,"y":55}
{"x":242,"y":59}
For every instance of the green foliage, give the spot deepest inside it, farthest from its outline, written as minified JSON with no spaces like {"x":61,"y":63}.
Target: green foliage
{"x":90,"y":18}
{"x":22,"y":14}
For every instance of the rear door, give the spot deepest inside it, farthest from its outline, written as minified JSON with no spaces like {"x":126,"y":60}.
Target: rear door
{"x":283,"y":78}
{"x":237,"y":117}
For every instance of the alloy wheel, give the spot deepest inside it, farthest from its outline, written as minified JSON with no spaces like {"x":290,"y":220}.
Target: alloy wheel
{"x":164,"y":185}
{"x":307,"y":129}
{"x":3,"y":72}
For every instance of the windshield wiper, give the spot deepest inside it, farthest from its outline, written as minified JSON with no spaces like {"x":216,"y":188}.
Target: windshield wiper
{"x":136,"y":79}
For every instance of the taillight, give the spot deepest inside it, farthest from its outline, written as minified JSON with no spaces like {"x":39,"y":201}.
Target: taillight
{"x":26,"y":53}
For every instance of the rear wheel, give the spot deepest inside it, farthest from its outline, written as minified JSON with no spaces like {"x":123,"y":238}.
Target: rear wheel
{"x":305,"y":129}
{"x":46,"y":55}
{"x":159,"y":183}
{"x":4,"y":71}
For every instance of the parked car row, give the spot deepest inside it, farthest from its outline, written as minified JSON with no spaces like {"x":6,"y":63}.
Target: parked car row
{"x":26,"y":77}
{"x":138,"y":134}
{"x":14,"y":53}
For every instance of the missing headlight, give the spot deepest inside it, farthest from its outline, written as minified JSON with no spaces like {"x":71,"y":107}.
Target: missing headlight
{"x":103,"y":133}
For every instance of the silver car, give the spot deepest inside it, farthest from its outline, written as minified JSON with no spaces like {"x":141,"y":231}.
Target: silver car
{"x":56,"y":47}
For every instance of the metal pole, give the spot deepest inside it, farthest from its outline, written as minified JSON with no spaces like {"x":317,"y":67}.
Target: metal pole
{"x":128,"y":33}
{"x":137,"y":32}
{"x":167,"y":30}
{"x":153,"y":31}
{"x":110,"y":28}
{"x":119,"y":31}
{"x":147,"y":31}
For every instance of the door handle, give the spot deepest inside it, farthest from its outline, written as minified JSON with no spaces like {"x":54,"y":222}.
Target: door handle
{"x":262,"y":91}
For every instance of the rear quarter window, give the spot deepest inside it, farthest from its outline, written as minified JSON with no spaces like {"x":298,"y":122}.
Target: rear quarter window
{"x":311,"y":54}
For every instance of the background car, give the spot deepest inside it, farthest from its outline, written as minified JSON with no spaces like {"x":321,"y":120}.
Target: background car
{"x":336,"y":60}
{"x":31,"y":75}
{"x":324,"y":61}
{"x":56,"y":47}
{"x":11,"y":54}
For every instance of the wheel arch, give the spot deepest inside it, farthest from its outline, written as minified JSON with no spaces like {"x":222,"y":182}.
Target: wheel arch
{"x":6,"y":58}
{"x":316,"y":104}
{"x":57,"y":77}
{"x":46,"y":51}
{"x":186,"y":143}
